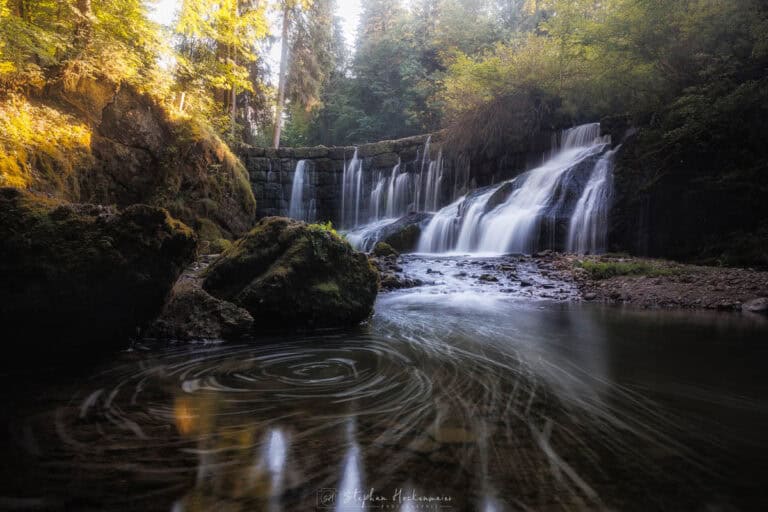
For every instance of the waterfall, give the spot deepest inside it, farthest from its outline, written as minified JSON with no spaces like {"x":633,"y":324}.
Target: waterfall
{"x":560,"y":203}
{"x":296,"y":209}
{"x":589,"y":223}
{"x":351,"y":190}
{"x":372,"y":195}
{"x":434,"y":182}
{"x":391,"y":191}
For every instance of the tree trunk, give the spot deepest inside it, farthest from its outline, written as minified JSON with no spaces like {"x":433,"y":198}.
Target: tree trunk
{"x":233,"y":92}
{"x":233,"y":111}
{"x":17,"y":8}
{"x":281,"y":84}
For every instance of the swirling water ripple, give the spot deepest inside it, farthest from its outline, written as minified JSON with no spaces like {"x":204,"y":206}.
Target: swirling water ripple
{"x":478,"y":400}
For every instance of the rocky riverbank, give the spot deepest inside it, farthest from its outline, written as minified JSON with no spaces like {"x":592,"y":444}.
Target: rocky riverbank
{"x":637,"y":282}
{"x":651,"y":283}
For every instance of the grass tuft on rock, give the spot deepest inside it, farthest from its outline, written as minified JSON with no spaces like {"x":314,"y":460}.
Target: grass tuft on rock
{"x":607,"y":269}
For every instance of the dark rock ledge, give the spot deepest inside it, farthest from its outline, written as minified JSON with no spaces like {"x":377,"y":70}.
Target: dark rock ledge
{"x":83,"y":275}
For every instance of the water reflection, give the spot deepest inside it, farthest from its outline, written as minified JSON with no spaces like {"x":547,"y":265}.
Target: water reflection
{"x":351,"y":489}
{"x":467,"y":398}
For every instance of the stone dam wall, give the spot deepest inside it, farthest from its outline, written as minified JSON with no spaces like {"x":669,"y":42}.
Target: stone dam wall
{"x":272,"y":172}
{"x":432,"y":175}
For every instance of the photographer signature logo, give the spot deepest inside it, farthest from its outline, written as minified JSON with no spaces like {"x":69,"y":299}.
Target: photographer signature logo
{"x":370,"y":499}
{"x":326,"y":498}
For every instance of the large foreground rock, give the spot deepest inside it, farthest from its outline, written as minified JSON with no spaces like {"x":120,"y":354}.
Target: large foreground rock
{"x":292,"y":276}
{"x":84,"y":275}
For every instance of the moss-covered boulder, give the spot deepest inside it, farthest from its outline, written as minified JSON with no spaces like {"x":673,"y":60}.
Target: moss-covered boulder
{"x":292,"y":276}
{"x":84,"y":275}
{"x":384,"y":250}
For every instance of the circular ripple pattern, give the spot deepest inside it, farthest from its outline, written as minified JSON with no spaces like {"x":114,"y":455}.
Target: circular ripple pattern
{"x":469,"y":392}
{"x":165,"y":413}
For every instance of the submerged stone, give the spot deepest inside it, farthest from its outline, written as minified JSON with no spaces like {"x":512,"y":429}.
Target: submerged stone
{"x":757,"y":306}
{"x":293,"y":276}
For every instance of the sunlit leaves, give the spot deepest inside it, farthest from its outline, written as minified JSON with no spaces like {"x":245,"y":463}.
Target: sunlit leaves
{"x":615,"y":55}
{"x":57,"y":143}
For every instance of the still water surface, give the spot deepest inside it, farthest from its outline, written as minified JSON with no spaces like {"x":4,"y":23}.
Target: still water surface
{"x":456,"y":396}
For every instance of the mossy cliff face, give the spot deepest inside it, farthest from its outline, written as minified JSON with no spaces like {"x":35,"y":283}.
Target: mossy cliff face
{"x":692,"y":186}
{"x":84,"y":275}
{"x":143,"y":156}
{"x":107,"y":143}
{"x":292,"y":276}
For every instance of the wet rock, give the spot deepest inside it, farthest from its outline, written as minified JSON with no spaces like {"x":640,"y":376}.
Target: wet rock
{"x":488,"y":278}
{"x":590,"y":296}
{"x":726,"y":305}
{"x":83,"y":274}
{"x":390,"y":282}
{"x":383,"y":250}
{"x":385,"y":160}
{"x":756,"y":306}
{"x":395,"y":282}
{"x":194,"y":315}
{"x":403,"y":235}
{"x":292,"y":276}
{"x":500,"y":196}
{"x":525,"y":284}
{"x":313,"y":152}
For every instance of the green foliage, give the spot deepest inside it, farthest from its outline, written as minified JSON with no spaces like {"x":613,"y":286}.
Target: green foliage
{"x":386,"y":92}
{"x":215,"y":58}
{"x":312,"y":54}
{"x":394,"y":85}
{"x":40,"y":147}
{"x":326,"y":227}
{"x":607,"y":269}
{"x":41,"y":39}
{"x":618,"y":56}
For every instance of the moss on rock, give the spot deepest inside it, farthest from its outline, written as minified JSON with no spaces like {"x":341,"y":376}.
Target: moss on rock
{"x":292,"y":276}
{"x":406,"y":239}
{"x":114,"y":145}
{"x":383,"y":250}
{"x":84,"y":274}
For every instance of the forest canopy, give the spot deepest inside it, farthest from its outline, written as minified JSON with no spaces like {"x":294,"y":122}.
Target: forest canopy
{"x":415,"y":66}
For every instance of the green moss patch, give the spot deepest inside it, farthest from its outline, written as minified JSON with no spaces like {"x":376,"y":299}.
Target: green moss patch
{"x":608,"y":269}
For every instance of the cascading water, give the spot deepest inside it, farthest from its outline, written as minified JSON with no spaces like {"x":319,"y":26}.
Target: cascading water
{"x":350,"y":192}
{"x":369,"y":197}
{"x":297,"y":209}
{"x":589,"y":222}
{"x":563,"y":202}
